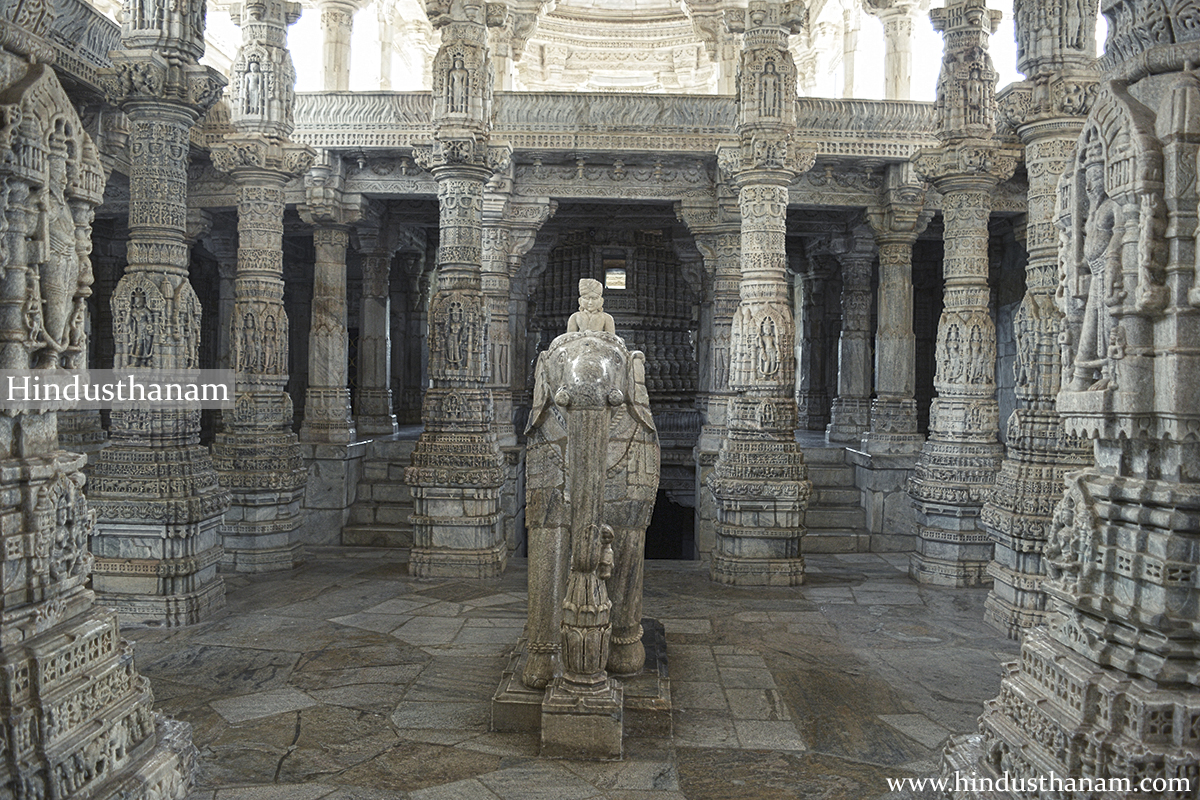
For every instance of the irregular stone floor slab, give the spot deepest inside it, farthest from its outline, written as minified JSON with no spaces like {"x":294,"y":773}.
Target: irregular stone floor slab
{"x":346,"y":679}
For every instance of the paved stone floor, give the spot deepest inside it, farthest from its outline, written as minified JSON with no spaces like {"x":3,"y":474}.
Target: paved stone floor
{"x":347,"y":680}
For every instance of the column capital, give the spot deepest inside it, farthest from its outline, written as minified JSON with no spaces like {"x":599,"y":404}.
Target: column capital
{"x":145,"y":79}
{"x":325,"y":202}
{"x":254,"y":155}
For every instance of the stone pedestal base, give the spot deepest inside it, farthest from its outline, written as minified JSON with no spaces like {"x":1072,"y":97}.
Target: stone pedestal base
{"x":849,"y":419}
{"x":965,"y":561}
{"x":587,"y":726}
{"x":647,"y":694}
{"x":262,"y":538}
{"x":437,"y":562}
{"x":185,"y":608}
{"x":735,"y":571}
{"x":1016,"y":601}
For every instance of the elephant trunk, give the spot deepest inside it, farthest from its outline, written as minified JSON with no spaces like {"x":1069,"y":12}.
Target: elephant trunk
{"x":586,"y":629}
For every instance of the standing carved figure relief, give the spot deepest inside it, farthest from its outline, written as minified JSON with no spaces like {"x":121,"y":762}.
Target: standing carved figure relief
{"x":59,"y":275}
{"x":592,"y":470}
{"x":1101,"y":261}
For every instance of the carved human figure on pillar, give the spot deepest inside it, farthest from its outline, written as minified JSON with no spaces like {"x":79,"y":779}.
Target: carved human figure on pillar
{"x":141,"y":330}
{"x":458,"y":87}
{"x":1101,"y":256}
{"x":60,"y":273}
{"x":768,"y":347}
{"x":769,"y":91}
{"x":255,"y":96}
{"x":591,"y":315}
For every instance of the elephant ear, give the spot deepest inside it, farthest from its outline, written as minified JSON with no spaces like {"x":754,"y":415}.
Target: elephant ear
{"x":639,"y":397}
{"x":541,"y":393}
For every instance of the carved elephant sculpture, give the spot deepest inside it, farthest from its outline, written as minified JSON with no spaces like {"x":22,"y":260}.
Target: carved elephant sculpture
{"x":592,"y":452}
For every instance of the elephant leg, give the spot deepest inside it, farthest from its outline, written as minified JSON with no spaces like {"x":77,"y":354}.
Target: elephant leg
{"x":547,"y":585}
{"x":627,"y":655}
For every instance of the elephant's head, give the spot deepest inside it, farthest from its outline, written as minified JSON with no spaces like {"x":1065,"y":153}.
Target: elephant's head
{"x":589,"y":371}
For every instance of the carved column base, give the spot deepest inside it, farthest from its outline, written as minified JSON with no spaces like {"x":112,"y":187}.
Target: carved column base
{"x":893,"y":429}
{"x":265,"y":474}
{"x":327,"y":416}
{"x":761,"y":489}
{"x":120,"y":747}
{"x":813,"y":410}
{"x":181,"y":608}
{"x":444,"y":562}
{"x":948,"y":487}
{"x":81,"y":431}
{"x":1060,"y":714}
{"x":156,"y":542}
{"x":849,"y":419}
{"x":1019,"y":514}
{"x":583,"y":725}
{"x":374,"y":415}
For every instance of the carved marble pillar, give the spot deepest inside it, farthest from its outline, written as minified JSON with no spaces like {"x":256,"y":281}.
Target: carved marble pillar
{"x":957,"y":466}
{"x":256,"y":452}
{"x":60,"y":649}
{"x":337,"y":22}
{"x":327,"y":415}
{"x":510,"y":229}
{"x":896,"y":223}
{"x":373,"y":398}
{"x":1047,"y":110}
{"x":812,"y":397}
{"x":899,"y":18}
{"x":716,"y":226}
{"x":1108,"y":687}
{"x":850,"y":414}
{"x":157,"y":546}
{"x":457,"y":471}
{"x":760,"y":482}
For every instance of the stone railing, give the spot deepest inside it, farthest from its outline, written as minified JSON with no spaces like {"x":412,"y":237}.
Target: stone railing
{"x":889,"y":130}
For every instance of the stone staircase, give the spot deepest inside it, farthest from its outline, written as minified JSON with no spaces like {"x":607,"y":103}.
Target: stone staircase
{"x":836,"y":520}
{"x":382,"y":512}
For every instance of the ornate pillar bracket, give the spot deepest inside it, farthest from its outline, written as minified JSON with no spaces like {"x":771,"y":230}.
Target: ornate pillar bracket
{"x":327,"y":416}
{"x":760,"y":482}
{"x":850,"y":414}
{"x":1047,"y":111}
{"x":256,"y":453}
{"x":899,"y":18}
{"x":457,"y":472}
{"x":158,"y":85}
{"x":958,"y":463}
{"x":896,"y":222}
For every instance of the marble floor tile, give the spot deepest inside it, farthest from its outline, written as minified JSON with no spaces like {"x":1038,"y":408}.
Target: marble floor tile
{"x":262,"y":704}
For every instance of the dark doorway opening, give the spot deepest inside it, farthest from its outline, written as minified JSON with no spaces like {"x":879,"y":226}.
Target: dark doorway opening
{"x":672,"y":530}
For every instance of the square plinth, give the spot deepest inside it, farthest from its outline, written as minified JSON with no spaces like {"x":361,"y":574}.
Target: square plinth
{"x":647,"y":694}
{"x":587,"y":726}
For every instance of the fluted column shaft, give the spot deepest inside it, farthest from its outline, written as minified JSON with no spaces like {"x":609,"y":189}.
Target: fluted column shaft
{"x":373,"y":397}
{"x":327,"y":415}
{"x":850,"y":415}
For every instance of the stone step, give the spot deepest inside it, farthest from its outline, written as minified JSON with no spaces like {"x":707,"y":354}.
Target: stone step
{"x":844,"y":540}
{"x":819,"y":517}
{"x":836,"y":496}
{"x":840,"y":476}
{"x":377,"y":536}
{"x":825,"y":456}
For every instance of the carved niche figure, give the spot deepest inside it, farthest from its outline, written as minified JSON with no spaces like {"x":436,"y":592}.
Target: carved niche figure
{"x":458,"y":87}
{"x":768,"y":347}
{"x":592,"y":470}
{"x":254,"y":90}
{"x":1101,"y":261}
{"x":768,"y":91}
{"x":59,"y":274}
{"x":140,"y":327}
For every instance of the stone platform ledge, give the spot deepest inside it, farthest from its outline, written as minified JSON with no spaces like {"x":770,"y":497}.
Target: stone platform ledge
{"x":757,"y":571}
{"x":171,"y":611}
{"x":273,"y":560}
{"x":953,"y":574}
{"x":647,"y":694}
{"x":427,"y":562}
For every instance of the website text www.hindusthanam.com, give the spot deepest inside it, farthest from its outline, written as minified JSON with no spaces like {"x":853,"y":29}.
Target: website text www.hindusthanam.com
{"x":55,"y":390}
{"x":956,"y":782}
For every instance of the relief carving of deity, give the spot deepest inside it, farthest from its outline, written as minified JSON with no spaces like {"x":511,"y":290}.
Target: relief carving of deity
{"x":1101,"y":261}
{"x":458,"y":87}
{"x":59,"y":274}
{"x":768,"y":92}
{"x":768,"y":347}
